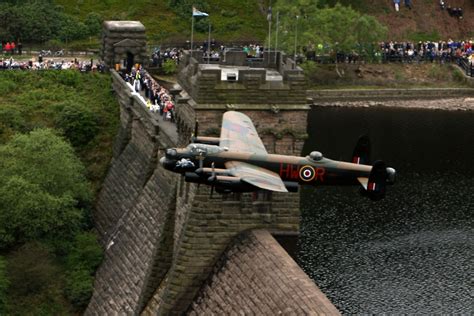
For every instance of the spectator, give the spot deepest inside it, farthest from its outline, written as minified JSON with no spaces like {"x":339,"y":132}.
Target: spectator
{"x":8,"y":47}
{"x":408,"y":4}
{"x":397,"y":5}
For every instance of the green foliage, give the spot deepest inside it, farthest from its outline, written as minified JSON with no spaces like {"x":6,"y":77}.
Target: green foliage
{"x":337,"y":28}
{"x":4,"y":284}
{"x":436,"y":72}
{"x":32,"y":103}
{"x":71,"y":29}
{"x":79,"y":124}
{"x":82,"y":261}
{"x":423,"y":37}
{"x":169,"y":67}
{"x":184,"y":7}
{"x":458,"y":76}
{"x":41,"y":184}
{"x":93,"y":23}
{"x":35,"y":203}
{"x":35,"y":282}
{"x":43,"y":20}
{"x":6,"y":86}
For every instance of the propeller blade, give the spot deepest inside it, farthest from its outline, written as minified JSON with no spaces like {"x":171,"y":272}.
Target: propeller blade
{"x":196,"y":127}
{"x":213,"y":178}
{"x":201,"y":160}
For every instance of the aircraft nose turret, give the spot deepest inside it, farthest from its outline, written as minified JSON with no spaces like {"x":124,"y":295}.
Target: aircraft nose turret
{"x":391,"y":175}
{"x":167,"y":163}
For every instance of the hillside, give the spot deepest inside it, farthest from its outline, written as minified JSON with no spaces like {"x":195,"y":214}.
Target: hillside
{"x":242,"y":20}
{"x":426,"y":21}
{"x":245,"y":20}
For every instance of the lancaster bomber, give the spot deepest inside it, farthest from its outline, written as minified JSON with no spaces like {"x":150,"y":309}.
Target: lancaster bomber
{"x":237,"y":161}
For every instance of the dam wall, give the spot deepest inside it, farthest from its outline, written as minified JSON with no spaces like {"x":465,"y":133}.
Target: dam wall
{"x":163,"y":236}
{"x":134,"y":211}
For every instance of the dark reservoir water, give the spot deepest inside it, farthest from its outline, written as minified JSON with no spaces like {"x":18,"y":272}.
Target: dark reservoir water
{"x":412,"y":252}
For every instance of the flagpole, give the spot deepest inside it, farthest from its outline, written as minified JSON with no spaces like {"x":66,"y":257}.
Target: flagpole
{"x":269,"y":18}
{"x":192,"y":33}
{"x":296,"y":36}
{"x":209,"y":44}
{"x":276,"y":35}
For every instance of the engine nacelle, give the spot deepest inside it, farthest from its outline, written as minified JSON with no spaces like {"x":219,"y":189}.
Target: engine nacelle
{"x":193,"y":177}
{"x":291,"y":186}
{"x":206,"y":140}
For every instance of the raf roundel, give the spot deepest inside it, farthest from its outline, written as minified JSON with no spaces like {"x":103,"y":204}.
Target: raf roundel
{"x":307,"y":173}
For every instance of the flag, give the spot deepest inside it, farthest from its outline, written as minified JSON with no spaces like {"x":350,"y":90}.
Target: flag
{"x":269,"y":14}
{"x":196,"y":12}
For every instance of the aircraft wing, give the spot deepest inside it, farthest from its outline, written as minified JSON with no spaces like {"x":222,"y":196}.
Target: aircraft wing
{"x":257,"y":176}
{"x":239,"y":134}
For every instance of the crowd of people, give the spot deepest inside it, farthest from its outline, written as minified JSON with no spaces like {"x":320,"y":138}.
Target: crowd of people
{"x":158,"y":99}
{"x":441,"y":51}
{"x":396,"y":3}
{"x":11,"y":48}
{"x":158,"y":57}
{"x":213,"y":51}
{"x":455,"y":12}
{"x":41,"y":64}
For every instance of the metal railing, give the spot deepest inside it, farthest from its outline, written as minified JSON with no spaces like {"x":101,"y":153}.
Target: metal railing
{"x":466,"y":65}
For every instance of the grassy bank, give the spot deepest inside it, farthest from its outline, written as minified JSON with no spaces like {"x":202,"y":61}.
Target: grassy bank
{"x":373,"y":76}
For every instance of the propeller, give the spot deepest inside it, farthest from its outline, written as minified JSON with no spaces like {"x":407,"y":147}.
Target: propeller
{"x":195,"y":133}
{"x":201,"y":160}
{"x":212,"y":178}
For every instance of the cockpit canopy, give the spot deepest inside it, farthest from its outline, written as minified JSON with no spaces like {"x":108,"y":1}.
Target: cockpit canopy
{"x":204,"y":149}
{"x":316,"y":155}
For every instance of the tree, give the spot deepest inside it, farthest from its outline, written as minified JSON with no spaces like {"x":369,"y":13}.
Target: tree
{"x":79,"y":123}
{"x":84,"y":257}
{"x":337,"y":28}
{"x":4,"y":284}
{"x":42,"y":188}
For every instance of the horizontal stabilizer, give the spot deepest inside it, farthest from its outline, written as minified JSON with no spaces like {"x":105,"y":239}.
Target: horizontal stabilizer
{"x":363,"y":181}
{"x":377,"y":182}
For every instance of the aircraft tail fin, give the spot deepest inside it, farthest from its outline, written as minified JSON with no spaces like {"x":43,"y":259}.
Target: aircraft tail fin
{"x":361,"y":153}
{"x":375,"y":185}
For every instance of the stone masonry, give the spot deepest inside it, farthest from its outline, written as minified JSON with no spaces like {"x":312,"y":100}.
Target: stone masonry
{"x":123,"y":39}
{"x":205,"y":227}
{"x":163,"y":237}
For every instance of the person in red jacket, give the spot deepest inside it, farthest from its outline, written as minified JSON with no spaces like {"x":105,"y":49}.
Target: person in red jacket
{"x":8,"y":47}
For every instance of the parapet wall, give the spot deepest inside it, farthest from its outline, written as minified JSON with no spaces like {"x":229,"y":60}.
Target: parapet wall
{"x":134,"y":211}
{"x":204,"y":85}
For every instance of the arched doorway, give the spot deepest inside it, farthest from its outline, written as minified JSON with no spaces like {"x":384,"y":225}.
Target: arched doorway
{"x":129,"y":61}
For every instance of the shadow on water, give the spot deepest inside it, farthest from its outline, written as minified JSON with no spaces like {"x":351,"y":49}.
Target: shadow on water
{"x":411,"y":252}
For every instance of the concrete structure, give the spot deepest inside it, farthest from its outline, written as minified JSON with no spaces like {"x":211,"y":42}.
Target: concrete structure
{"x":124,"y":43}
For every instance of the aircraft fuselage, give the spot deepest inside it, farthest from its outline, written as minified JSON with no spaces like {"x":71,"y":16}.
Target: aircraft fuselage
{"x":302,"y":170}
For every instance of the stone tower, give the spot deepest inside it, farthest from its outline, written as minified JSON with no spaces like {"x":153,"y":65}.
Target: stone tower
{"x":123,"y":43}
